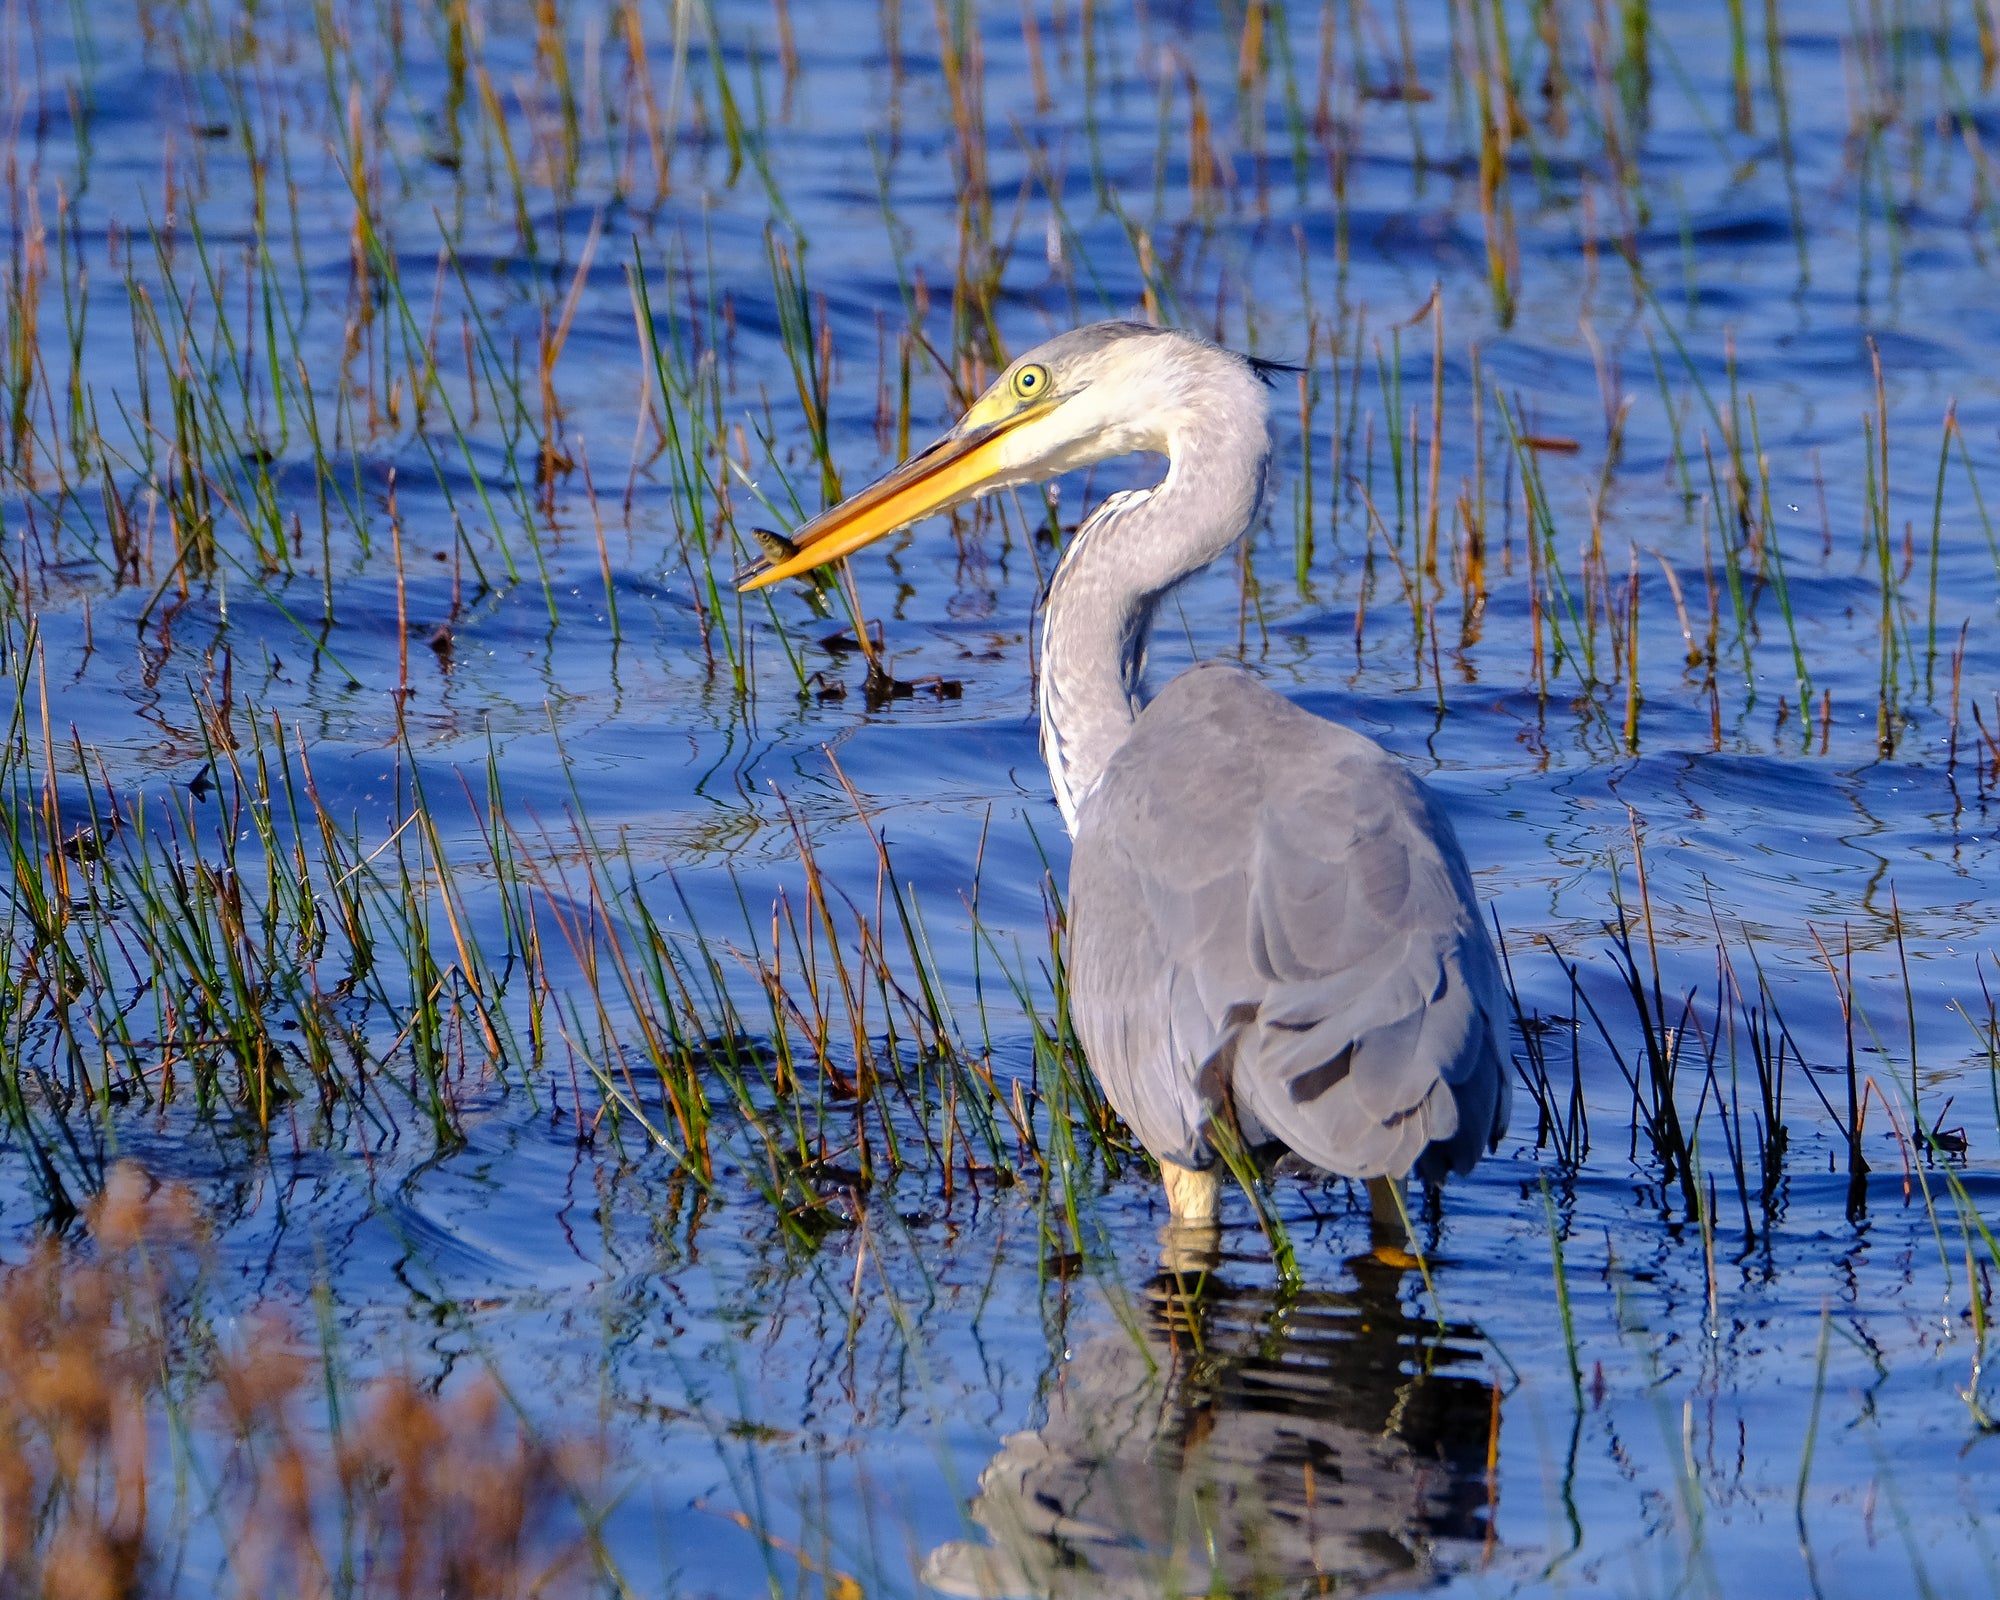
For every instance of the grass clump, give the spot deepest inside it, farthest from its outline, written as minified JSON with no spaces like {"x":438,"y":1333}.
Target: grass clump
{"x":142,"y":1450}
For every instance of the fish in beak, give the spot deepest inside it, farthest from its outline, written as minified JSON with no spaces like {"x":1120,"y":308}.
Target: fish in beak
{"x":971,"y":460}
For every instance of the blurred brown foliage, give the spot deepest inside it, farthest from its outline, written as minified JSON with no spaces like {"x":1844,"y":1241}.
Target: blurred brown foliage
{"x":110,"y":1391}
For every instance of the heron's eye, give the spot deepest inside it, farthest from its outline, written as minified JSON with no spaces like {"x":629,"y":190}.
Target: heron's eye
{"x":1031,"y":382}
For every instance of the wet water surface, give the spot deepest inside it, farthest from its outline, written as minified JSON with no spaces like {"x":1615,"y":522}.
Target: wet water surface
{"x":540,"y":962}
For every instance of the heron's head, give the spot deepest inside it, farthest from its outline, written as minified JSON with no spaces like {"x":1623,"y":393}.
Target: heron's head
{"x":1108,"y":389}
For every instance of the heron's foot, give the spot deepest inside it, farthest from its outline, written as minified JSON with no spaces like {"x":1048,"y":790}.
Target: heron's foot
{"x":1388,"y":1224}
{"x":1190,"y":1247}
{"x":1192,"y":1196}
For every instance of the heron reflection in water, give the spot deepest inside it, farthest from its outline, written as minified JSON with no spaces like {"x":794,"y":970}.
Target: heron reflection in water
{"x":1274,"y":942}
{"x":1244,"y":1443}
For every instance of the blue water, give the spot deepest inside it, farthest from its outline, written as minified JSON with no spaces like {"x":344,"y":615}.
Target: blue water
{"x":848,"y":1397}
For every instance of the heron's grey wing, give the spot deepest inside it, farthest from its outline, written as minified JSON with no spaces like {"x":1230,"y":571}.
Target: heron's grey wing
{"x":1265,"y":905}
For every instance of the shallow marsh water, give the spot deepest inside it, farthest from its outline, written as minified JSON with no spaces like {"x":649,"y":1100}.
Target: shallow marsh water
{"x":343,"y":454}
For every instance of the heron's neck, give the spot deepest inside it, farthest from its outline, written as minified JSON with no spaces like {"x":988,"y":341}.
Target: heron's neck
{"x":1095,"y":625}
{"x":1100,"y":608}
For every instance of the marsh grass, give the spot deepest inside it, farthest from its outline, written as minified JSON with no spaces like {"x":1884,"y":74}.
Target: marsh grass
{"x":143,"y":1447}
{"x":298,"y":974}
{"x":422,"y":320}
{"x":235,"y":952}
{"x":235,"y":393}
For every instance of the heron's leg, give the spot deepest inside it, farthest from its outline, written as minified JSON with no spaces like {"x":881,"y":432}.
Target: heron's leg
{"x":1191,"y":1196}
{"x":1188,"y":1249}
{"x":1387,"y":1229}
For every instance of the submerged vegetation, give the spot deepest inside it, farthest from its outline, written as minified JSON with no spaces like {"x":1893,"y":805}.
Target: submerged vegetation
{"x":606,"y":1006}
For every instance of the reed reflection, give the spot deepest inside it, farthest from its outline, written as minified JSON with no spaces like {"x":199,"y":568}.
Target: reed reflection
{"x":1244,"y":1441}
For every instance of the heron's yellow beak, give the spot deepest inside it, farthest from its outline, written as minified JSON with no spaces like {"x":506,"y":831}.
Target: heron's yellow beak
{"x":959,"y":467}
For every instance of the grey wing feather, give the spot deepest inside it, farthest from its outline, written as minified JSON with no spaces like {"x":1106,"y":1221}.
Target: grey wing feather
{"x":1266,"y":908}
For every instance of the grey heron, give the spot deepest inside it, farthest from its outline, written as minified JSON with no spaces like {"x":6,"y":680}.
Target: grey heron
{"x":1274,"y":938}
